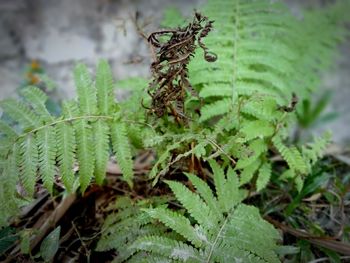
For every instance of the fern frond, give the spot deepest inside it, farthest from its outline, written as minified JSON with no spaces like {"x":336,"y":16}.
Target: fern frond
{"x":37,"y":99}
{"x":81,"y":136}
{"x":28,"y":164}
{"x":299,"y":161}
{"x":5,"y":147}
{"x":136,"y":135}
{"x":238,"y":58}
{"x":104,"y":88}
{"x":247,"y":68}
{"x":121,"y":229}
{"x":101,"y":140}
{"x":6,"y":130}
{"x":231,"y":236}
{"x":142,"y":257}
{"x":234,"y":194}
{"x":168,"y":247}
{"x":70,"y":109}
{"x":220,"y":182}
{"x":121,"y":147}
{"x":291,"y":155}
{"x":243,"y":231}
{"x":313,"y":151}
{"x":194,"y":204}
{"x":249,"y":171}
{"x":9,"y":173}
{"x":46,"y":144}
{"x":65,"y":153}
{"x":161,"y":165}
{"x":178,"y":223}
{"x":85,"y":152}
{"x":215,"y":109}
{"x":261,"y":107}
{"x":226,"y":188}
{"x":258,"y":146}
{"x":205,"y":192}
{"x":85,"y":90}
{"x":20,"y":113}
{"x":221,"y":89}
{"x":252,"y":89}
{"x":263,"y":176}
{"x":257,"y":129}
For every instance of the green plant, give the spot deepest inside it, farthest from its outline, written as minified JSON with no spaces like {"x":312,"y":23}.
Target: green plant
{"x":80,"y":137}
{"x":265,"y":55}
{"x":211,"y":228}
{"x":122,"y":227}
{"x":267,"y":61}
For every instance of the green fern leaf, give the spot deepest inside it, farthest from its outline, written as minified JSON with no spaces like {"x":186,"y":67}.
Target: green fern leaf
{"x":261,"y":108}
{"x":166,"y":246}
{"x":142,"y":257}
{"x":28,"y":164}
{"x":121,"y":147}
{"x":136,"y":135}
{"x":194,"y":204}
{"x":248,"y":172}
{"x":70,"y":109}
{"x":178,"y":223}
{"x":104,"y":86}
{"x":5,"y":129}
{"x":257,"y":129}
{"x":219,"y":180}
{"x":313,"y":151}
{"x":85,"y":90}
{"x":5,"y":147}
{"x":9,"y":172}
{"x":121,"y":229}
{"x":162,"y":161}
{"x":233,"y":237}
{"x":243,"y":232}
{"x":234,"y":194}
{"x":20,"y":113}
{"x":221,"y":89}
{"x":299,"y":162}
{"x":291,"y":155}
{"x":263,"y":176}
{"x":205,"y":192}
{"x":226,"y":189}
{"x":215,"y":109}
{"x":37,"y":99}
{"x":65,"y":153}
{"x":85,"y":152}
{"x":46,"y":144}
{"x":101,"y":132}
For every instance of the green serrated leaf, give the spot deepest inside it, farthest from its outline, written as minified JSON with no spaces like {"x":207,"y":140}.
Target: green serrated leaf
{"x":263,"y":176}
{"x":85,"y":90}
{"x":121,"y":147}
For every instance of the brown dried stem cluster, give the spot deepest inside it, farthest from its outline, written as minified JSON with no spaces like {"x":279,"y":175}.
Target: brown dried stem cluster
{"x":169,"y":70}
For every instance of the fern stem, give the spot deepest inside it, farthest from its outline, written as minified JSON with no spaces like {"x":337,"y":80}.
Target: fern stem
{"x":236,"y":36}
{"x":216,"y":240}
{"x":221,"y":150}
{"x":79,"y":118}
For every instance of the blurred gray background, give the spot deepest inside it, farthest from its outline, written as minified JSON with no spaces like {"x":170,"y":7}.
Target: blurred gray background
{"x":59,"y":33}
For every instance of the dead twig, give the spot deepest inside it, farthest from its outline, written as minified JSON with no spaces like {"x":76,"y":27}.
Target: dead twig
{"x":326,"y":242}
{"x":52,"y":220}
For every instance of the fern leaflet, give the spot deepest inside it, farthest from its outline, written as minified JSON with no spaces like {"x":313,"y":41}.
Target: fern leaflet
{"x":236,"y":233}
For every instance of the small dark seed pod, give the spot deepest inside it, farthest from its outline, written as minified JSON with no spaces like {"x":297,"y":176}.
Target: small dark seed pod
{"x":210,"y":56}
